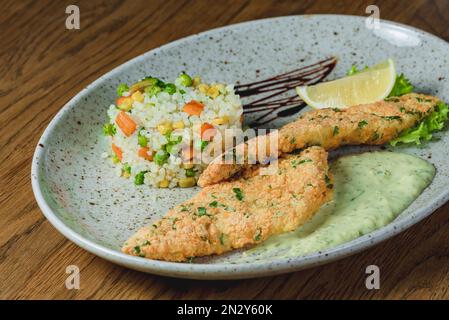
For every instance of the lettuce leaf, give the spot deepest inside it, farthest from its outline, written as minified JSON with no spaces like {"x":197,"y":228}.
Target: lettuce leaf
{"x":434,"y":122}
{"x":401,"y":86}
{"x":423,"y":131}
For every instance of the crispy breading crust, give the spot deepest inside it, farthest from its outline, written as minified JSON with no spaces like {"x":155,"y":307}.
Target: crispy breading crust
{"x":239,"y":213}
{"x":373,"y":124}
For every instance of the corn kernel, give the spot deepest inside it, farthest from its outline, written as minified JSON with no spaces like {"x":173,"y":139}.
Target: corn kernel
{"x":125,"y":174}
{"x":137,"y":96}
{"x":196,"y":81}
{"x":221,"y":87}
{"x":164,"y":183}
{"x":220,"y":121}
{"x":187,"y":182}
{"x":213,"y":92}
{"x":187,"y":165}
{"x":203,"y":88}
{"x":165,"y":128}
{"x":178,"y":124}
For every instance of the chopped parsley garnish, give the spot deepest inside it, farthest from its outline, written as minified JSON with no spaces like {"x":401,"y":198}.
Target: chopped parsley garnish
{"x":201,"y":211}
{"x":305,"y":161}
{"x":173,"y":223}
{"x":392,"y":118}
{"x":138,"y":252}
{"x":222,"y":238}
{"x":362,"y":124}
{"x":294,"y":163}
{"x":336,"y":131}
{"x":258,"y":235}
{"x":238,"y":193}
{"x":146,"y":243}
{"x":213,"y":204}
{"x":393,"y":99}
{"x":328,"y":182}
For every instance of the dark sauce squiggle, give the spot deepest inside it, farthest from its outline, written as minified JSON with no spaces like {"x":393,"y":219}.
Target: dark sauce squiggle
{"x":271,"y":105}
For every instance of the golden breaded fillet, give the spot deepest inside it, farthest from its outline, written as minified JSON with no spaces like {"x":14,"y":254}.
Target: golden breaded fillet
{"x":238,"y":213}
{"x":373,"y":124}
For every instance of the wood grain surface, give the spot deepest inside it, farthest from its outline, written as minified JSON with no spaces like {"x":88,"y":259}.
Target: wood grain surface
{"x":43,"y":65}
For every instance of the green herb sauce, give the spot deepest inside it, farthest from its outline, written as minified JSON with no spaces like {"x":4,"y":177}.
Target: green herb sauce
{"x":371,"y":190}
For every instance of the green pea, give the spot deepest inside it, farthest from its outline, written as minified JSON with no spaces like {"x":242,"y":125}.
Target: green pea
{"x":142,"y":140}
{"x":170,"y":88}
{"x":185,"y":80}
{"x":169,"y":148}
{"x":126,"y":168}
{"x":140,"y":178}
{"x":190,"y":173}
{"x":161,"y":157}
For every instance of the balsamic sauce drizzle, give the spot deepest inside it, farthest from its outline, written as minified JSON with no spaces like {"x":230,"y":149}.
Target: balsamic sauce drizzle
{"x":271,"y":105}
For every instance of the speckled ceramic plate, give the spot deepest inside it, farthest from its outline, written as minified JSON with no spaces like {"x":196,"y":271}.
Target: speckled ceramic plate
{"x":80,"y":195}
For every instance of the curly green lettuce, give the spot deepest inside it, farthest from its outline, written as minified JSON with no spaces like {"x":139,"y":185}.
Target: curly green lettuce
{"x":401,"y":86}
{"x":424,"y":131}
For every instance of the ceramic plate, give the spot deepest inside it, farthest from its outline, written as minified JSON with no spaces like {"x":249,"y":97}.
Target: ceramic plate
{"x":81,"y":196}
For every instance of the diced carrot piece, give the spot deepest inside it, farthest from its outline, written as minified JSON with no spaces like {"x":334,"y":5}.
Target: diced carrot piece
{"x":143,"y":152}
{"x":120,"y":100}
{"x":125,"y":123}
{"x":117,"y":151}
{"x":207,"y":131}
{"x":193,"y":108}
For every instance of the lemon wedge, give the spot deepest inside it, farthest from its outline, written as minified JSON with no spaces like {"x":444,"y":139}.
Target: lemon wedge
{"x":367,"y":86}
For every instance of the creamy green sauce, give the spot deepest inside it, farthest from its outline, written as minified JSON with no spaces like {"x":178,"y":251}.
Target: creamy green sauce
{"x":371,"y":190}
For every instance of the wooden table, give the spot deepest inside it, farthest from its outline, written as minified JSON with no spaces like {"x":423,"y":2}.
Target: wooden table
{"x":43,"y":65}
